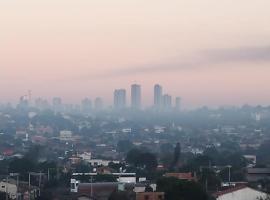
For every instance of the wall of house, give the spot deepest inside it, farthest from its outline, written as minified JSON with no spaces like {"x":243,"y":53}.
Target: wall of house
{"x":243,"y":194}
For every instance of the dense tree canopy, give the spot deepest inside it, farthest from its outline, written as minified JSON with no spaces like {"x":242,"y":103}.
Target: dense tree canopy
{"x":142,"y":159}
{"x":181,"y":190}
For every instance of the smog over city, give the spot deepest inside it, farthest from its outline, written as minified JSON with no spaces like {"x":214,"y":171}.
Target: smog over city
{"x":134,"y":100}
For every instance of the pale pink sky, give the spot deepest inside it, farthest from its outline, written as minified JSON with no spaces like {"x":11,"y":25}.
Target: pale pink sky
{"x":208,"y":52}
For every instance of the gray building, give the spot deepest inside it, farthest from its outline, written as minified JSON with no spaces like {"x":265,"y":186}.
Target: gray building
{"x":157,"y":96}
{"x":167,"y":101}
{"x":177,"y":103}
{"x":120,"y":98}
{"x":98,"y":103}
{"x":86,"y":105}
{"x":135,"y":96}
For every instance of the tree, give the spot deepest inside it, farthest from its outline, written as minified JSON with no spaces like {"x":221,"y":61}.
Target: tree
{"x":133,"y":156}
{"x":124,"y":146}
{"x":120,"y":195}
{"x":176,"y":156}
{"x":166,"y":148}
{"x":176,"y":189}
{"x":145,"y":160}
{"x":148,"y":160}
{"x":21,"y":166}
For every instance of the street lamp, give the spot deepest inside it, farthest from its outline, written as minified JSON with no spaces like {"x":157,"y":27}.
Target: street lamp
{"x":229,"y":166}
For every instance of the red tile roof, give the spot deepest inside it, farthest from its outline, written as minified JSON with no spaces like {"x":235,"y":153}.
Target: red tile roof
{"x":183,"y":176}
{"x":229,"y":190}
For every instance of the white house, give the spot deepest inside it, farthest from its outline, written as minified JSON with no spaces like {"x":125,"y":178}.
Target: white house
{"x":240,"y":193}
{"x":9,"y":188}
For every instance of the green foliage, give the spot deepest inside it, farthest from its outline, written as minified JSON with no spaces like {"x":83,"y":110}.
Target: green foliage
{"x":145,"y":160}
{"x":263,"y":156}
{"x":33,"y":153}
{"x":176,"y":155}
{"x":119,"y":195}
{"x":166,"y":148}
{"x":209,"y":179}
{"x":22,"y":166}
{"x":181,"y":190}
{"x":83,"y":168}
{"x":105,"y":178}
{"x":124,"y":146}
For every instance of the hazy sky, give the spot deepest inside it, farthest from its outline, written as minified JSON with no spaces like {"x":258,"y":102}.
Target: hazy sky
{"x":213,"y":52}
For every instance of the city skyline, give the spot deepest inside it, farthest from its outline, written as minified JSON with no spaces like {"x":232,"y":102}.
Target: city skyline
{"x":214,"y":53}
{"x":120,"y":100}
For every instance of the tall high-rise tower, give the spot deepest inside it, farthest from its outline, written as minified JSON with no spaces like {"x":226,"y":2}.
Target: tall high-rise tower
{"x":120,"y":98}
{"x":86,"y":105}
{"x":57,"y":104}
{"x":167,"y":101}
{"x":177,"y":103}
{"x":135,"y":96}
{"x":157,"y":96}
{"x":98,"y":103}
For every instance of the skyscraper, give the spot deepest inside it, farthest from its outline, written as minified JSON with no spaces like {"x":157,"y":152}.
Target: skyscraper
{"x":120,"y":98}
{"x":177,"y":103}
{"x":57,"y":104}
{"x":86,"y":105}
{"x":98,"y":103}
{"x":167,"y":101}
{"x":157,"y":96}
{"x":135,"y":96}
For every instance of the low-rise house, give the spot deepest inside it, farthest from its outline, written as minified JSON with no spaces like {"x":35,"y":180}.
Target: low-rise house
{"x":9,"y":188}
{"x":101,"y":162}
{"x":256,"y":174}
{"x":240,"y":193}
{"x":182,"y":176}
{"x":150,"y":196}
{"x":100,"y":191}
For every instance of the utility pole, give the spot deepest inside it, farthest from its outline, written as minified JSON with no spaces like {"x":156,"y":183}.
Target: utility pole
{"x":48,"y":174}
{"x":39,"y":183}
{"x":29,"y":180}
{"x":29,"y":186}
{"x":91,"y":186}
{"x":7,"y":189}
{"x":229,"y":166}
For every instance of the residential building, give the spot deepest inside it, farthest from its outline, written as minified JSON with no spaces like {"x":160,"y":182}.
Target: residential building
{"x":240,"y":193}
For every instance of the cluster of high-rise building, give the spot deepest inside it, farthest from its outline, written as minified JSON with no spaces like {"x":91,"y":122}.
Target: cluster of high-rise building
{"x":120,"y":97}
{"x":161,"y":101}
{"x":164,"y":101}
{"x":58,"y":106}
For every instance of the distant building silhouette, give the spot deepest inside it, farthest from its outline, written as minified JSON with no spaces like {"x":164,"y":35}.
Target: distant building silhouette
{"x":157,"y":96}
{"x":98,"y":103}
{"x":167,"y":101}
{"x":120,"y":98}
{"x":86,"y":105}
{"x":177,"y":103}
{"x":135,"y":96}
{"x":57,"y":104}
